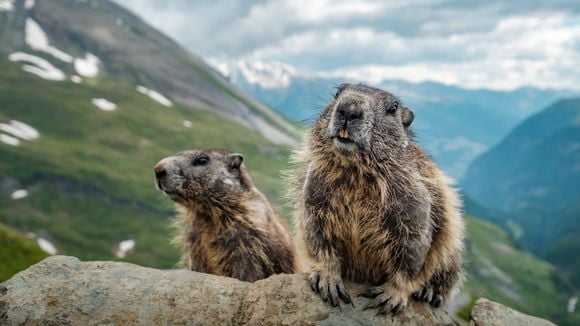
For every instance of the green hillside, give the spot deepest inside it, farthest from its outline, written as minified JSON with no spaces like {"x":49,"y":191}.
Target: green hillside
{"x":532,"y":177}
{"x":17,"y":252}
{"x":89,"y":174}
{"x":497,"y":269}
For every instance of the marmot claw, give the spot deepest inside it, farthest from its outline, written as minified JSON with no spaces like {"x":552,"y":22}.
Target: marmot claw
{"x":385,"y":300}
{"x":429,"y":295}
{"x":330,"y":287}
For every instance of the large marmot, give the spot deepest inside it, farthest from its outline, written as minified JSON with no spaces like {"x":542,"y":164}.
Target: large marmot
{"x":372,"y":207}
{"x":226,"y":226}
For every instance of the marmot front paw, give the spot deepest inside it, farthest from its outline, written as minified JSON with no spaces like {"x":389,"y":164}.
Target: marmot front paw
{"x":429,"y":294}
{"x":330,"y":287}
{"x":385,"y":299}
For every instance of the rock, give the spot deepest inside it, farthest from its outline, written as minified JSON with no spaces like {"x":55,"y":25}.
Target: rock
{"x":489,"y":313}
{"x":288,"y":300}
{"x":64,"y":290}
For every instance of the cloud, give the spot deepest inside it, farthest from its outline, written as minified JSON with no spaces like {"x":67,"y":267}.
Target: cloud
{"x":480,"y":44}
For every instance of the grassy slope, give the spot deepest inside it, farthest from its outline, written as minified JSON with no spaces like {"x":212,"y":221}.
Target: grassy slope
{"x":90,"y":173}
{"x":530,"y":285}
{"x":90,"y":179}
{"x":17,"y":252}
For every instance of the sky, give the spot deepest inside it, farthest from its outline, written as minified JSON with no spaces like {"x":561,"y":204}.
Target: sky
{"x":499,"y":45}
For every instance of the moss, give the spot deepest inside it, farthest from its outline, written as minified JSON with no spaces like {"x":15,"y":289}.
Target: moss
{"x":464,"y":312}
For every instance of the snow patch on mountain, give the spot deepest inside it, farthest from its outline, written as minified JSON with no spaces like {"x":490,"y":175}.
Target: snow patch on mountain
{"x":6,"y":5}
{"x":571,"y":307}
{"x":40,"y":67}
{"x":15,"y":132}
{"x":124,"y":247}
{"x":76,"y":79}
{"x":156,"y":96}
{"x":19,"y":194}
{"x":20,"y":130}
{"x":104,"y":104}
{"x":9,"y":140}
{"x":87,"y":67}
{"x":36,"y":38}
{"x":46,"y":246}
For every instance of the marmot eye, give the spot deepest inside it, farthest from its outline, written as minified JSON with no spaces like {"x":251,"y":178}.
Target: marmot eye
{"x":393,"y":108}
{"x":202,"y":160}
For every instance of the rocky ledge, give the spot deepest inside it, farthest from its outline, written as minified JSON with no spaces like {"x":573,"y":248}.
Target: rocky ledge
{"x":63,"y":290}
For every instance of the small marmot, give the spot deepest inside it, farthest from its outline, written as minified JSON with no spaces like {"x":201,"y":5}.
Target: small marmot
{"x":371,"y":206}
{"x":226,"y":226}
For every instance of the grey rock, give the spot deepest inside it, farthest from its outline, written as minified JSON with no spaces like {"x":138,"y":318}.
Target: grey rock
{"x":63,"y":290}
{"x":489,"y":313}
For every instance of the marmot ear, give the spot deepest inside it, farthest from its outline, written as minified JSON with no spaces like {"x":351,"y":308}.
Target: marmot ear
{"x":407,"y":116}
{"x":235,"y":161}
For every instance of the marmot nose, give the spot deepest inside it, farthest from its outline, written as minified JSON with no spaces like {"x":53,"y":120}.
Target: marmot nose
{"x":160,"y":171}
{"x":349,"y":112}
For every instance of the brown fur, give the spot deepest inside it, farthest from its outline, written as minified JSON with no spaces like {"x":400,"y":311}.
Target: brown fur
{"x":375,"y":208}
{"x":225,"y":226}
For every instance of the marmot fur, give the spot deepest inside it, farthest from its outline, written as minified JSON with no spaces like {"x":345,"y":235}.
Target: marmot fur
{"x":226,"y":226}
{"x":372,"y":207}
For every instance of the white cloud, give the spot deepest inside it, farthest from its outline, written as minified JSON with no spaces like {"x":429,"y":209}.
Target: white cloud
{"x":318,"y":11}
{"x":519,"y":51}
{"x":492,"y":44}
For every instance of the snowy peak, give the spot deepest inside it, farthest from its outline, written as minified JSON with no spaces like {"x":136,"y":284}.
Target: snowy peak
{"x":266,"y":74}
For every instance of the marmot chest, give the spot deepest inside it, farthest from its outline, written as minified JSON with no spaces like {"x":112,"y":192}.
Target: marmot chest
{"x":358,"y":214}
{"x":352,"y":208}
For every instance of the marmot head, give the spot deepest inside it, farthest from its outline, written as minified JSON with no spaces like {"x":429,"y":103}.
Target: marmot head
{"x":198,"y":176}
{"x":360,"y":117}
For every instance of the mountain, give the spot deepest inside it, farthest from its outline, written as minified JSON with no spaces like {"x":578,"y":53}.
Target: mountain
{"x":532,"y":176}
{"x":103,"y":32}
{"x":91,"y":98}
{"x":84,"y":116}
{"x":454,"y":124}
{"x":536,"y":164}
